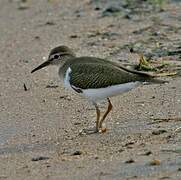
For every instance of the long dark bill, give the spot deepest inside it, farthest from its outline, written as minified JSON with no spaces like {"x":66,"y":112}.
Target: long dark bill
{"x":46,"y":63}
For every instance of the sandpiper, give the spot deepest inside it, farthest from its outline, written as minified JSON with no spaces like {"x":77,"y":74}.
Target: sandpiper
{"x":95,"y":78}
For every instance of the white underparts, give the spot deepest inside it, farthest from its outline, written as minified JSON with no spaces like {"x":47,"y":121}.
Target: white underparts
{"x":102,"y":93}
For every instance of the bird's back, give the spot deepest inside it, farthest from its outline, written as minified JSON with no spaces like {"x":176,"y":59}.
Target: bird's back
{"x":90,"y":72}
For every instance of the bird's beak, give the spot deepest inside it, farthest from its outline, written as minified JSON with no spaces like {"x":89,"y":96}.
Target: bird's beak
{"x":46,"y":63}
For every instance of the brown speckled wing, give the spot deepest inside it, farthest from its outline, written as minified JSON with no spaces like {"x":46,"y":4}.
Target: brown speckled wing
{"x":93,"y":74}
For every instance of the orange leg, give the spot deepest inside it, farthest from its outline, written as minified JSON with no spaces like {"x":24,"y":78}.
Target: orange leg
{"x":98,"y":117}
{"x":109,"y":108}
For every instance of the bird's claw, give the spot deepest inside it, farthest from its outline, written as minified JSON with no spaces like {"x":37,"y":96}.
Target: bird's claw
{"x":88,"y":131}
{"x":102,"y":130}
{"x":92,"y":131}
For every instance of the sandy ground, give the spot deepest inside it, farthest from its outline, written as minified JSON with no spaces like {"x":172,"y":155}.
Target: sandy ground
{"x":39,"y":128}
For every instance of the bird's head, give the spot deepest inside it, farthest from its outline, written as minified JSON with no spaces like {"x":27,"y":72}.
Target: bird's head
{"x":57,"y":56}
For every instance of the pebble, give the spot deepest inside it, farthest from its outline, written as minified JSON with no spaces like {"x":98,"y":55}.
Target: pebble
{"x":147,"y":153}
{"x":76,"y":153}
{"x":39,"y":158}
{"x":130,"y":161}
{"x":158,"y":132}
{"x":155,"y":162}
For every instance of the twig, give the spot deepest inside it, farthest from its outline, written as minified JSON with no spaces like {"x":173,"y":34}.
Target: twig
{"x":160,"y":120}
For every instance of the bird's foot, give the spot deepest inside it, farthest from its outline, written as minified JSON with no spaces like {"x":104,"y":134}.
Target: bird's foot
{"x":89,"y":131}
{"x":92,"y":131}
{"x":102,"y":130}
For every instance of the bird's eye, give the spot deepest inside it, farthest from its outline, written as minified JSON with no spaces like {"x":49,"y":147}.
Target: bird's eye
{"x":56,"y":56}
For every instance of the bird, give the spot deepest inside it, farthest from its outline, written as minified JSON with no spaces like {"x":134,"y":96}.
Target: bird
{"x":95,"y":78}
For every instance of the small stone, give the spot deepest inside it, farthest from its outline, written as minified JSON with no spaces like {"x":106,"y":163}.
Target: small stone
{"x":148,"y":153}
{"x":155,"y":162}
{"x":120,"y":150}
{"x":39,"y":158}
{"x":165,"y":177}
{"x":179,"y":169}
{"x":130,"y":161}
{"x":37,"y":37}
{"x":24,"y":60}
{"x":127,"y":16}
{"x":73,"y":36}
{"x":96,"y":157}
{"x":66,"y":97}
{"x":97,"y":8}
{"x":77,"y":123}
{"x":111,"y":10}
{"x":158,"y":132}
{"x":131,"y":50}
{"x":51,"y":86}
{"x":129,"y":143}
{"x":76,"y":153}
{"x":50,"y":23}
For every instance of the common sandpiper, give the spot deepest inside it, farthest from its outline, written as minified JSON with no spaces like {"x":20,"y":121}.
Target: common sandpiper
{"x":95,"y":78}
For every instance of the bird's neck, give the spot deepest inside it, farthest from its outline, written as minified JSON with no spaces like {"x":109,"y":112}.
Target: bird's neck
{"x":65,"y":59}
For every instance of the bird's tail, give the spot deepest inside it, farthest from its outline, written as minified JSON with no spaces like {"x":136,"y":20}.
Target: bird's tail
{"x":148,"y":77}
